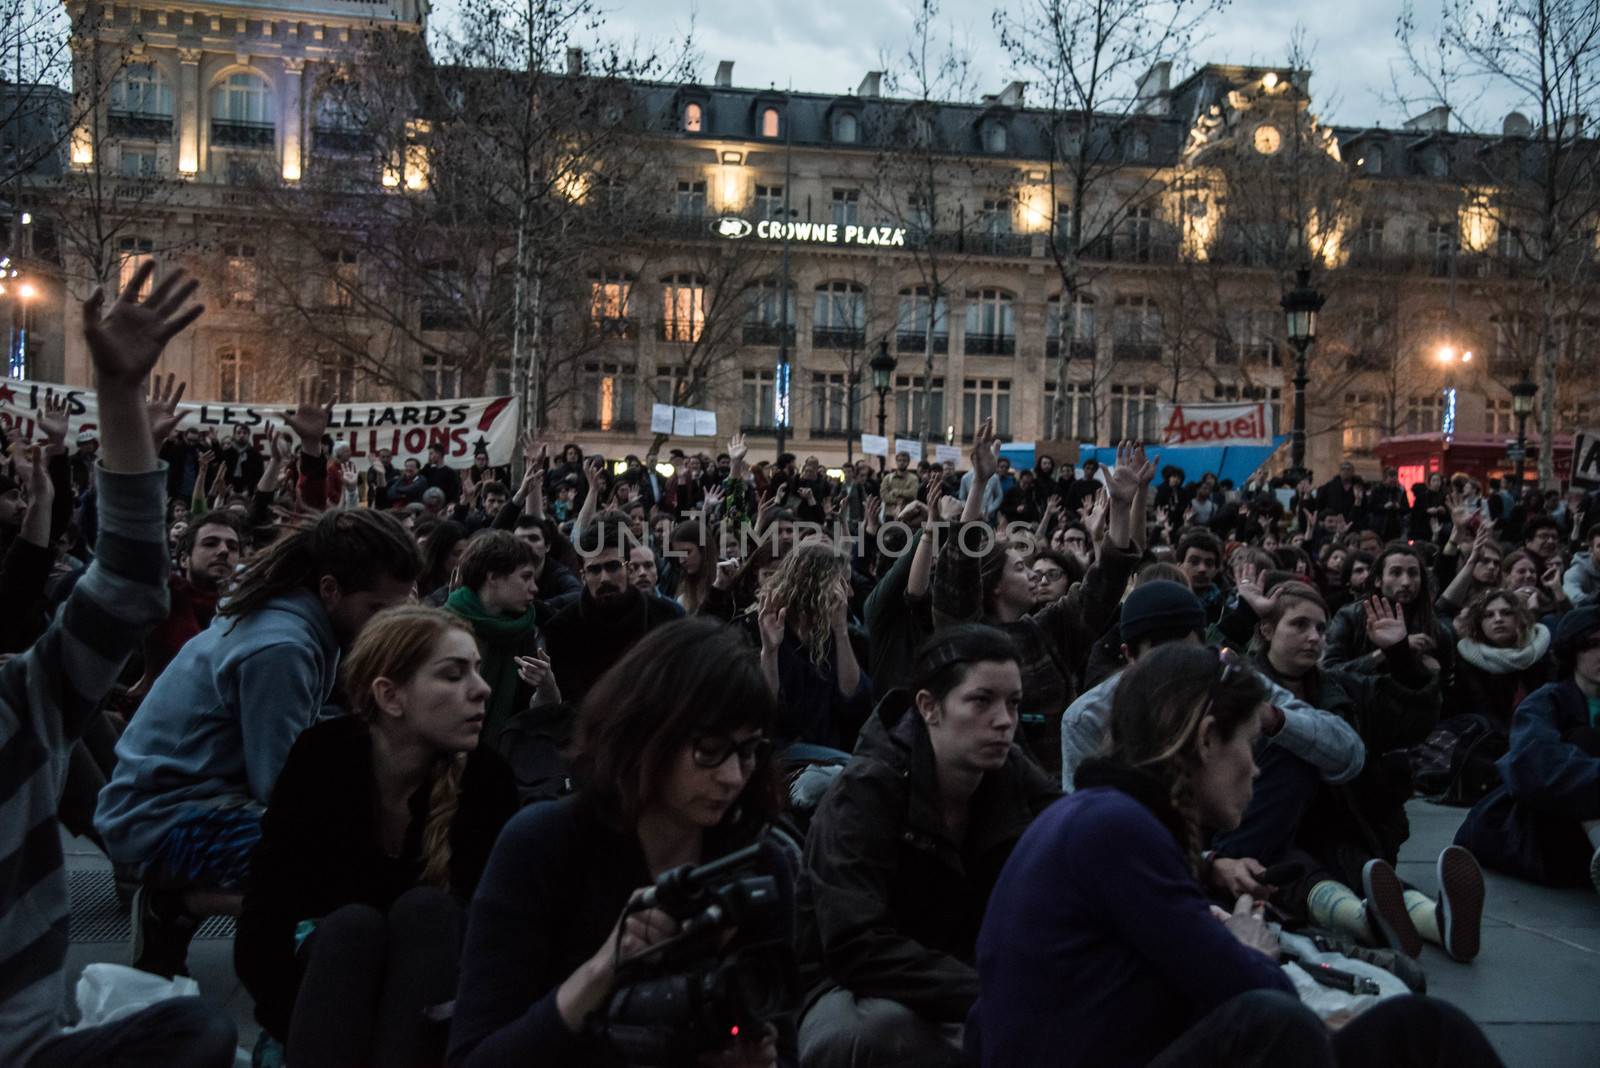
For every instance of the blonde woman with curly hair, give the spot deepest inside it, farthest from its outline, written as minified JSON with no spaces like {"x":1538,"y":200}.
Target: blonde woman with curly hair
{"x":803,"y":616}
{"x":377,"y":833}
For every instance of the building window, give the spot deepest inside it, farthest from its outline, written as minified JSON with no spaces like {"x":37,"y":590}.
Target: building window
{"x":769,"y":201}
{"x":909,"y":398}
{"x":1425,"y":414}
{"x":607,"y":397}
{"x":1133,"y":413}
{"x":141,"y":89}
{"x":501,"y":378}
{"x":996,"y":218}
{"x":241,"y":111}
{"x":1373,"y":160}
{"x":137,"y":162}
{"x":919,"y":214}
{"x":985,"y":398}
{"x":772,"y":313}
{"x":1251,"y":337}
{"x":1061,"y":225}
{"x":693,"y":118}
{"x":611,"y":303}
{"x":342,"y":276}
{"x":1136,"y":330}
{"x":831,"y":404}
{"x":846,"y":128}
{"x":1078,"y":330}
{"x":846,"y":207}
{"x":441,"y":380}
{"x":771,"y":125}
{"x":841,"y":316}
{"x":758,"y":401}
{"x":1508,"y":243}
{"x":1363,"y":425}
{"x":672,"y":384}
{"x":1134,"y":236}
{"x":239,"y":275}
{"x":991,"y":323}
{"x":132,"y":254}
{"x":1442,"y":246}
{"x":683,"y":307}
{"x":1369,"y":238}
{"x":1498,"y":417}
{"x":1079,"y":416}
{"x":994,"y":137}
{"x":691,"y":201}
{"x":911,"y":326}
{"x":1139,"y":146}
{"x":234,"y":377}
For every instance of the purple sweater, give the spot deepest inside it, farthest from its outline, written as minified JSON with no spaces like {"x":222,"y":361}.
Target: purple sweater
{"x":1098,"y":947}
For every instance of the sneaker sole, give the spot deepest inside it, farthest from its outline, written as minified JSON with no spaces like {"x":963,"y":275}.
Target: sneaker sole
{"x":1461,"y":894}
{"x":1594,"y":870}
{"x":1386,"y":903}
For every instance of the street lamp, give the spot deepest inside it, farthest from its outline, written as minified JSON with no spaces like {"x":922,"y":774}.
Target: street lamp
{"x":17,"y":362}
{"x":1522,"y":394}
{"x":1300,"y":306}
{"x":1449,"y":357}
{"x":882,"y":366}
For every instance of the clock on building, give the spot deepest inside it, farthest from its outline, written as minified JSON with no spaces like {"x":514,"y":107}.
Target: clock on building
{"x":1267,"y":139}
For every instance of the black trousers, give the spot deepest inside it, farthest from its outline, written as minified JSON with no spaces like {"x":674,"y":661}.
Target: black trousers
{"x":1269,"y":1029}
{"x":178,"y":1033}
{"x":368,"y":980}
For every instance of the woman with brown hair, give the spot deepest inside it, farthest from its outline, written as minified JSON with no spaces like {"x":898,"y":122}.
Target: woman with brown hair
{"x":674,"y":768}
{"x":1503,"y":656}
{"x":376,"y":835}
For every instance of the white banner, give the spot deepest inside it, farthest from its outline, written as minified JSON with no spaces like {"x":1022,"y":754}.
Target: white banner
{"x":911,"y":447}
{"x":874,"y":445}
{"x":405,"y":428}
{"x":1216,"y":424}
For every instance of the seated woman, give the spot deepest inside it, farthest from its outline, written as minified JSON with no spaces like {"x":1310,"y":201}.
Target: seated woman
{"x":672,"y":760}
{"x":1503,"y":656}
{"x":1543,"y":824}
{"x":379,"y":828}
{"x":1350,"y":835}
{"x":1099,"y":947}
{"x":902,"y":854}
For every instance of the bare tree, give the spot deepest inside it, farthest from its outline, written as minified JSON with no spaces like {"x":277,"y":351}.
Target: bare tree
{"x":1544,"y":55}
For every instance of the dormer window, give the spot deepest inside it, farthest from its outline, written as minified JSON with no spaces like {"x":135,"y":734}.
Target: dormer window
{"x":1374,"y":160}
{"x":694,"y":117}
{"x":1139,"y":146}
{"x":994,"y":137}
{"x":846,"y":128}
{"x":770,"y":122}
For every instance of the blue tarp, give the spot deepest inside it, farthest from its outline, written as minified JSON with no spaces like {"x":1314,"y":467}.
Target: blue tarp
{"x":1236,"y":462}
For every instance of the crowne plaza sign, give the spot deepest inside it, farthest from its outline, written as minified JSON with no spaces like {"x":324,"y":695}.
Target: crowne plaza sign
{"x":733,"y":228}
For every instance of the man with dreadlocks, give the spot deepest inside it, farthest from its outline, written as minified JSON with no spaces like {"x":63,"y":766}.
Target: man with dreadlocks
{"x":981,"y":579}
{"x":1402,"y":577}
{"x":197,"y":764}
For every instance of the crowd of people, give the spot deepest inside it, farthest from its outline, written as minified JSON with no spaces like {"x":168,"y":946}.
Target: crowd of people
{"x":1033,"y":765}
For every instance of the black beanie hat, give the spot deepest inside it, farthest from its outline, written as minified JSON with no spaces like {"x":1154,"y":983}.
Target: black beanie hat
{"x":1574,"y":627}
{"x":1160,"y":605}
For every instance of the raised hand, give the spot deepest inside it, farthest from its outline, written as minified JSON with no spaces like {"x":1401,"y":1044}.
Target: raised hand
{"x":773,"y":623}
{"x":219,"y":485}
{"x":53,"y":425}
{"x":713,"y":497}
{"x":727,"y":573}
{"x":1551,"y":579}
{"x":126,"y":342}
{"x":1095,"y":521}
{"x":1386,"y":626}
{"x":1131,"y":473}
{"x":162,"y":407}
{"x":985,"y":455}
{"x":737,"y":449}
{"x":310,"y":418}
{"x":593,"y":468}
{"x":1246,"y":579}
{"x":348,"y":474}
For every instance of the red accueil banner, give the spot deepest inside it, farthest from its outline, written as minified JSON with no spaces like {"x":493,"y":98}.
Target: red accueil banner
{"x":1216,"y":424}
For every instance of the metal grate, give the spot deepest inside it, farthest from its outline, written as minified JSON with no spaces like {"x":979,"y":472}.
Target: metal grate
{"x":97,"y":915}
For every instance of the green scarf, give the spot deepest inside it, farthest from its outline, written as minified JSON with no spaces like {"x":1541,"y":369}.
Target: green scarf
{"x":501,"y":639}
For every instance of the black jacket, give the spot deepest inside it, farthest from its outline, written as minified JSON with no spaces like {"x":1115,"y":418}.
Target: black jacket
{"x":1475,"y":690}
{"x":890,"y":906}
{"x":1349,"y":648}
{"x":320,"y":849}
{"x":587,"y":637}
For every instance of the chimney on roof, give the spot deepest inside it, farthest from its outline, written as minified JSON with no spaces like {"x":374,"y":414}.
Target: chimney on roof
{"x":1011,"y":95}
{"x":1153,"y":87}
{"x":574,"y":60}
{"x":1434,"y":120}
{"x":725,"y":74}
{"x":1516,"y":124}
{"x":871,"y":85}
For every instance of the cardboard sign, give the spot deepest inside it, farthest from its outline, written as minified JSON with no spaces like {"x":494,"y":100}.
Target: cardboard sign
{"x":874,"y":445}
{"x":1586,"y":459}
{"x":910,"y":446}
{"x":947,"y":454}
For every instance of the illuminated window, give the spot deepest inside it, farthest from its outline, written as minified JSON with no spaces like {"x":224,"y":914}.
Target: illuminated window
{"x":132,"y":253}
{"x":342,"y":274}
{"x":612,"y":298}
{"x":239,"y":275}
{"x":769,"y":122}
{"x":693,"y":118}
{"x":683,"y":307}
{"x":607,"y":397}
{"x":234,"y":376}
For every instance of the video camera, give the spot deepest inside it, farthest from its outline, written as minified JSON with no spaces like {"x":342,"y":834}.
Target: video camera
{"x":693,"y":992}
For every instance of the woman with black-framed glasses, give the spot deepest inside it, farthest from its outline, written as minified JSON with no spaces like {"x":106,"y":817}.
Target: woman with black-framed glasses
{"x":674,"y":768}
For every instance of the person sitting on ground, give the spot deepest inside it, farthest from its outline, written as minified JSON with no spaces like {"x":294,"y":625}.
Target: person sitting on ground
{"x":1402,"y":577}
{"x":409,"y":486}
{"x":644,"y":572}
{"x":1200,"y":555}
{"x":196,"y":765}
{"x":442,"y":547}
{"x":587,"y":637}
{"x":378,"y":831}
{"x":1098,"y":946}
{"x":1581,"y":583}
{"x":1543,"y":822}
{"x":674,"y":767}
{"x":1477,"y":574}
{"x":207,"y":553}
{"x":1350,"y":836}
{"x":902,"y":854}
{"x":996,"y":587}
{"x":50,"y":690}
{"x":498,"y":597}
{"x":1502,"y":656}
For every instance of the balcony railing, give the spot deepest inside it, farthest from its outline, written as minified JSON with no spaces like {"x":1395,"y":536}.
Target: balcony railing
{"x":242,"y":134}
{"x":1081,"y":348}
{"x":624,"y":426}
{"x":341,"y":140}
{"x":990,"y":345}
{"x":443,"y":317}
{"x":1130,"y":249}
{"x":768,"y":333}
{"x":1137,"y":351}
{"x":620,"y":327}
{"x":137,"y":125}
{"x":837,"y":337}
{"x":917,"y":341}
{"x":683,"y":330}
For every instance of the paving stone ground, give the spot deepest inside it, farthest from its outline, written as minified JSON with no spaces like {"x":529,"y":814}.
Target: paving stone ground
{"x":1535,"y":989}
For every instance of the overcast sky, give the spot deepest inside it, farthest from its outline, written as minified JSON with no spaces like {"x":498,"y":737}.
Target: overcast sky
{"x":827,"y":45}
